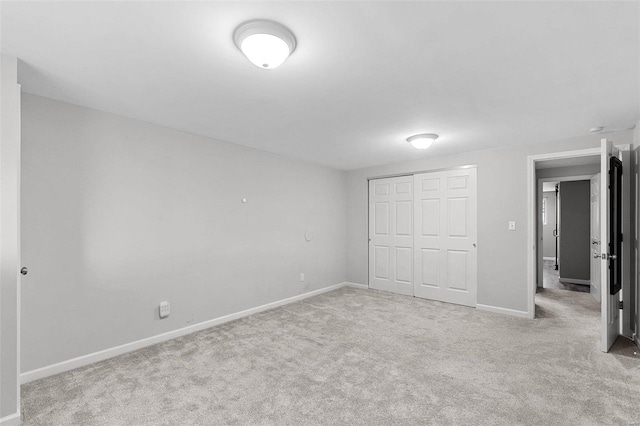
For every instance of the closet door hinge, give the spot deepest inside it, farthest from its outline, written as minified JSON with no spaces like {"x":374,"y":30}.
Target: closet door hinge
{"x":620,"y":304}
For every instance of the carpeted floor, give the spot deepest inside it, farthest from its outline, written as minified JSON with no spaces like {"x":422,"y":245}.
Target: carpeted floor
{"x":362,"y":357}
{"x":551,"y":279}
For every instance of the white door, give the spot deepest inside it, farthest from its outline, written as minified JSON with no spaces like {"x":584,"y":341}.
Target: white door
{"x":10,"y":241}
{"x":445,"y":258}
{"x":391,"y":234}
{"x":609,"y":303}
{"x":595,"y":237}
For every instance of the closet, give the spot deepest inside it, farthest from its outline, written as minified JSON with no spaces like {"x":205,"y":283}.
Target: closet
{"x":423,"y":235}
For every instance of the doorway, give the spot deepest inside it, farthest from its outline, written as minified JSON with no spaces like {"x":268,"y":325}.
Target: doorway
{"x":612,"y":257}
{"x":565,"y":227}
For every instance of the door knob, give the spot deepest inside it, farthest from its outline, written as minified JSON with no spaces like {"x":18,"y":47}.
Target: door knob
{"x":24,"y":270}
{"x":596,"y":256}
{"x":612,"y":257}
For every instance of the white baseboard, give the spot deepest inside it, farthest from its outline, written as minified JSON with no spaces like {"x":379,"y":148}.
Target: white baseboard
{"x":84,"y":360}
{"x":574,"y":281}
{"x":10,"y":420}
{"x":549,"y":258}
{"x":504,"y":311}
{"x":356,"y":285}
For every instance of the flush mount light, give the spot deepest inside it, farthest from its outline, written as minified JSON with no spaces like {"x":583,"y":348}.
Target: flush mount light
{"x":596,"y":129}
{"x":422,"y":141}
{"x":267,"y":44}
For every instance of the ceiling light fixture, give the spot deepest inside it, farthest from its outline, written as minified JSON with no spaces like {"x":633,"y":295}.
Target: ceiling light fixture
{"x":267,"y":44}
{"x":596,"y":129}
{"x":422,"y":141}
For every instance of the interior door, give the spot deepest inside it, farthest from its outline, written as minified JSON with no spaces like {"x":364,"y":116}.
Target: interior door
{"x":595,"y":237}
{"x":445,"y":258}
{"x":10,"y":241}
{"x":609,"y":304}
{"x":391,"y":234}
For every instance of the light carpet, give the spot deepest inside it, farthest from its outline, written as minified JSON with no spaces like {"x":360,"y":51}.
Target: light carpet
{"x":361,"y":357}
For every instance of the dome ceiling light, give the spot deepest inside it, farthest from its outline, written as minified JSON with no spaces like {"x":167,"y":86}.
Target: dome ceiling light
{"x":423,"y":140}
{"x":267,"y":44}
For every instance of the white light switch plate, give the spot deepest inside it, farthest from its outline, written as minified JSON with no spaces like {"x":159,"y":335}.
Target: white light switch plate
{"x":512,"y":225}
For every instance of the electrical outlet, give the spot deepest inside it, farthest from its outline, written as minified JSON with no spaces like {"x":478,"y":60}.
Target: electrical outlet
{"x":301,"y":277}
{"x":165,"y":309}
{"x":512,"y":225}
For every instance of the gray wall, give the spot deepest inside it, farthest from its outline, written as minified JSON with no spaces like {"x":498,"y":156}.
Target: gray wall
{"x":548,"y":240}
{"x":502,"y":196}
{"x":10,"y":242}
{"x":575,"y":220}
{"x":119,"y":215}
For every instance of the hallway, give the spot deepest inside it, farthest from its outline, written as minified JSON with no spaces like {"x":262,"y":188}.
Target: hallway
{"x":551,"y":279}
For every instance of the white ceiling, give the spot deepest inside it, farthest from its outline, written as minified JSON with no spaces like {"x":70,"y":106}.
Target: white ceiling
{"x":364,"y":76}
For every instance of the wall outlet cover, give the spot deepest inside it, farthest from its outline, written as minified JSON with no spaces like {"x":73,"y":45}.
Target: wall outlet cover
{"x":165,"y":309}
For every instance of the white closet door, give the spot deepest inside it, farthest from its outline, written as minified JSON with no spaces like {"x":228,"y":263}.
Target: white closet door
{"x":391,"y":234}
{"x":445,"y":257}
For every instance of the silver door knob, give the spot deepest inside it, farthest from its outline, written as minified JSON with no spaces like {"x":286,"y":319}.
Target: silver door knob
{"x":24,"y":270}
{"x":612,"y":257}
{"x":596,"y":256}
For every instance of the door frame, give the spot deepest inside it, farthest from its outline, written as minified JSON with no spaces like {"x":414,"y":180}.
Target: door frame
{"x":532,"y":217}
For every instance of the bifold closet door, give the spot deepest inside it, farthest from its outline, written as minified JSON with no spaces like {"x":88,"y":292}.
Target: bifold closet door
{"x":391,"y":234}
{"x":445,"y":257}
